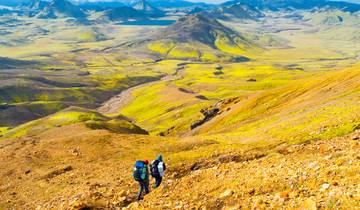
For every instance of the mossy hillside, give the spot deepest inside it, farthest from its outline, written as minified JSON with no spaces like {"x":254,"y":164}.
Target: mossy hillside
{"x":331,"y":18}
{"x":73,"y":115}
{"x":82,"y":34}
{"x":3,"y":130}
{"x":57,"y":86}
{"x":163,"y":107}
{"x":170,"y":107}
{"x":161,"y":47}
{"x":239,"y":45}
{"x":234,"y":79}
{"x":315,"y":52}
{"x":189,"y":51}
{"x":19,"y":113}
{"x":318,"y":108}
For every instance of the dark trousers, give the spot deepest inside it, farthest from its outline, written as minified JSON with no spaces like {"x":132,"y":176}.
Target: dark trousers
{"x":143,"y":187}
{"x":158,"y":180}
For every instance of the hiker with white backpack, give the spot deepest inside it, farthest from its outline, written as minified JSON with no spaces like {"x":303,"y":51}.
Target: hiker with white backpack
{"x":157,"y":170}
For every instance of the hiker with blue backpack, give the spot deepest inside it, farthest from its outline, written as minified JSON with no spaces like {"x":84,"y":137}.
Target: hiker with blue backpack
{"x":141,"y":175}
{"x":157,"y":170}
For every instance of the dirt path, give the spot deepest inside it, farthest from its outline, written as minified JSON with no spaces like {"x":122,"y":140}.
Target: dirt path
{"x":113,"y":105}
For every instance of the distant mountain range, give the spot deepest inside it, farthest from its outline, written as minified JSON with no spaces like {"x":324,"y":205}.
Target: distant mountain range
{"x":38,"y":5}
{"x":124,"y":13}
{"x":61,"y":9}
{"x":114,"y":3}
{"x":148,"y":9}
{"x":145,"y":9}
{"x":100,"y":6}
{"x":237,"y":10}
{"x":296,"y":4}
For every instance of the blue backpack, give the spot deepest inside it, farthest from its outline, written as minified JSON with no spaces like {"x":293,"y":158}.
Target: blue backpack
{"x":139,"y":171}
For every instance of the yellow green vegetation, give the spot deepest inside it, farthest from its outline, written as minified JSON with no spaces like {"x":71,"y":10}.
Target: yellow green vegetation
{"x":185,"y":52}
{"x":163,"y":47}
{"x":166,"y":115}
{"x":237,"y":46}
{"x":176,"y":104}
{"x":193,"y":51}
{"x":320,"y":107}
{"x":90,"y":36}
{"x":74,"y":115}
{"x":3,"y":130}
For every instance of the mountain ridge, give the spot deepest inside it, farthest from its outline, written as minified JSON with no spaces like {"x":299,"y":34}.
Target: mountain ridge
{"x":60,"y":9}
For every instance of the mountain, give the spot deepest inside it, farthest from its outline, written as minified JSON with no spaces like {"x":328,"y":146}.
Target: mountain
{"x":237,"y":10}
{"x":62,"y":9}
{"x":99,"y":5}
{"x":6,"y":10}
{"x":198,"y":37}
{"x":198,"y":28}
{"x":345,"y":6}
{"x":148,"y":9}
{"x":124,"y":14}
{"x":38,"y":5}
{"x":296,"y":4}
{"x":176,"y":3}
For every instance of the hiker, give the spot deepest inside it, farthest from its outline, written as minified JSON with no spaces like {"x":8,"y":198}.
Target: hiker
{"x":157,"y":169}
{"x":141,"y":175}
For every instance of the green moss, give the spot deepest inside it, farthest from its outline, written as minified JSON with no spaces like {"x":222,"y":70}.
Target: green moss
{"x":72,"y":115}
{"x":3,"y":130}
{"x":185,"y":51}
{"x":163,"y":48}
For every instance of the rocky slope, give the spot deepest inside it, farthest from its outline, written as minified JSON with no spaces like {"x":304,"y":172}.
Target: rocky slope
{"x":313,"y":175}
{"x":62,"y":165}
{"x":72,"y":167}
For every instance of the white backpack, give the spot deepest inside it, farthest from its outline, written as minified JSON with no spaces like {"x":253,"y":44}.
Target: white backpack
{"x":161,"y":169}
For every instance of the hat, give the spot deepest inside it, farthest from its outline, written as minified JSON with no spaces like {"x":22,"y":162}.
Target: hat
{"x":146,"y":162}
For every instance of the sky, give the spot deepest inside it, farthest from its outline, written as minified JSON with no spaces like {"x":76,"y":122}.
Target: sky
{"x":220,"y":1}
{"x":208,"y":1}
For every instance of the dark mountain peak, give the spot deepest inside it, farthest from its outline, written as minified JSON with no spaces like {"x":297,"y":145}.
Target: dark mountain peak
{"x":61,"y":9}
{"x":195,"y":27}
{"x":124,"y":13}
{"x":62,"y":4}
{"x":38,"y":4}
{"x":236,"y":10}
{"x":147,"y":8}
